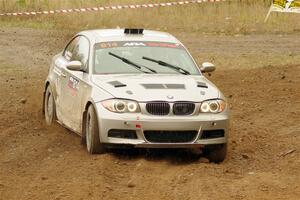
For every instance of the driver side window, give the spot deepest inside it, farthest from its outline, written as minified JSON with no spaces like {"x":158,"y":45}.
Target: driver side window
{"x":78,"y":49}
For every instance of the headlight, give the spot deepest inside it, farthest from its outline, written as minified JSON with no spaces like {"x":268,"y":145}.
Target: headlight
{"x":121,"y":106}
{"x":213,"y":106}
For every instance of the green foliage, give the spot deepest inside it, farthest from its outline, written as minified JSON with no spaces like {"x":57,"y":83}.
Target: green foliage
{"x":21,"y":3}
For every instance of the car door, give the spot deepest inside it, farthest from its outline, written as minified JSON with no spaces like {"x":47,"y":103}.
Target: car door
{"x":73,"y":83}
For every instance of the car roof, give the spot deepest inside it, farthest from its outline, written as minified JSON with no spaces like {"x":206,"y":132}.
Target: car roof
{"x":104,"y":35}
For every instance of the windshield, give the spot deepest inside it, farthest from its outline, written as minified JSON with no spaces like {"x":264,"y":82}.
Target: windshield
{"x":170,"y":53}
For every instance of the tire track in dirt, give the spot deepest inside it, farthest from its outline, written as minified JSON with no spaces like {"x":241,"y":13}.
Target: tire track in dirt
{"x":38,"y":162}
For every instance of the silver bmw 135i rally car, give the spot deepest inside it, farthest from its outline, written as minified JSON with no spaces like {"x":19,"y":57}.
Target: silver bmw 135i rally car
{"x":136,"y":87}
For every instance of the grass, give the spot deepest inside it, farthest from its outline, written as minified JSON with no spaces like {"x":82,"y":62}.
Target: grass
{"x":232,"y":17}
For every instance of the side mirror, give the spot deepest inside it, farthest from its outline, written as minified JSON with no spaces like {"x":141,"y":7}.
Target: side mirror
{"x":74,"y":65}
{"x":207,"y":67}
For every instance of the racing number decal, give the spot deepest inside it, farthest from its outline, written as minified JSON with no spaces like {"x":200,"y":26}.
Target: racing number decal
{"x":73,"y":84}
{"x":105,"y":45}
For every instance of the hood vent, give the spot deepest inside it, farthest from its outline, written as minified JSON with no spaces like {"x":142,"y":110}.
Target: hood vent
{"x":202,"y":85}
{"x":175,"y":86}
{"x":117,"y":84}
{"x":163,"y":86}
{"x":153,"y":86}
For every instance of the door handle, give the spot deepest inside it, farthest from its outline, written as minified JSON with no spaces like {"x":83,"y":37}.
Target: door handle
{"x":63,"y":75}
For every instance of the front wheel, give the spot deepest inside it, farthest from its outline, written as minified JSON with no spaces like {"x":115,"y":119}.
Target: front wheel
{"x":216,"y":153}
{"x":92,"y":134}
{"x":49,"y":107}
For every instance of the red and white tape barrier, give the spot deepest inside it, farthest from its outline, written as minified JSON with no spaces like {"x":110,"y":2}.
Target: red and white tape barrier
{"x":102,"y":8}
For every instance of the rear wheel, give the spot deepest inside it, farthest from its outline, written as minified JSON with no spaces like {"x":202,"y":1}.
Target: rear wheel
{"x":49,"y":107}
{"x":92,"y":134}
{"x":216,"y":153}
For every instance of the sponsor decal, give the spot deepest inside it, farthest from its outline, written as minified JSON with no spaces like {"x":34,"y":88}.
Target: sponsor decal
{"x":130,"y":44}
{"x":73,"y":84}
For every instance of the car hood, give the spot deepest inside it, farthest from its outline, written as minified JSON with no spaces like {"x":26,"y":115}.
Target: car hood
{"x":154,"y":87}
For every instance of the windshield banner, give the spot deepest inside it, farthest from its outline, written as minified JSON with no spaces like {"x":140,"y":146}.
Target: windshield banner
{"x":290,"y":6}
{"x":114,"y":44}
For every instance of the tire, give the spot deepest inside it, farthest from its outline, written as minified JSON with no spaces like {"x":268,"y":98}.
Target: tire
{"x":49,"y":107}
{"x":216,"y":153}
{"x":92,"y":134}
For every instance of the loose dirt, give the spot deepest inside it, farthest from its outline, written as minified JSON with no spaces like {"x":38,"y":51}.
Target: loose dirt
{"x":260,"y":75}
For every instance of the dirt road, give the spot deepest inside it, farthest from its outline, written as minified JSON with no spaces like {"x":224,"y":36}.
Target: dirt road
{"x":260,"y":75}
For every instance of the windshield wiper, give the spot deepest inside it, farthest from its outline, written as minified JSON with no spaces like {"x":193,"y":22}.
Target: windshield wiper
{"x":137,"y":66}
{"x":176,"y":68}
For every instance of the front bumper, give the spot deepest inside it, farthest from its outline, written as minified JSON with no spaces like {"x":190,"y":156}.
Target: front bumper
{"x":141,"y":123}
